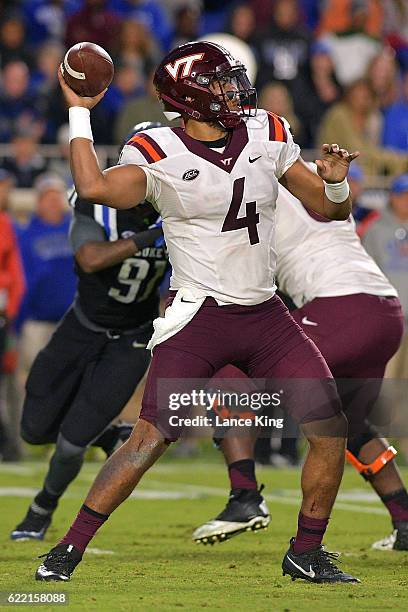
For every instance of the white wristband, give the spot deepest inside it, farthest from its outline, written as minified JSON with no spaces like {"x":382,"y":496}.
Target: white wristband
{"x":337,"y":192}
{"x":79,"y":123}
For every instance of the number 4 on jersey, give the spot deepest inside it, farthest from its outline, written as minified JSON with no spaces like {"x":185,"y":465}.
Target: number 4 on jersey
{"x":250,"y":221}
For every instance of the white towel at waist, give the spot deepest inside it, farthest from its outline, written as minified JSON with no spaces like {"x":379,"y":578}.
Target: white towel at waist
{"x":183,"y":308}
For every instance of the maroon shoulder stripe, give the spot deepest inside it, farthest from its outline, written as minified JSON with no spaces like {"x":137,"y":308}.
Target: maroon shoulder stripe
{"x":147,"y":147}
{"x":285,"y":134}
{"x":142,"y":150}
{"x":277,"y":130}
{"x":155,"y":146}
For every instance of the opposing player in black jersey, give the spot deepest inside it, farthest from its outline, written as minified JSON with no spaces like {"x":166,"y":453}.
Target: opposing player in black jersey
{"x":90,"y":368}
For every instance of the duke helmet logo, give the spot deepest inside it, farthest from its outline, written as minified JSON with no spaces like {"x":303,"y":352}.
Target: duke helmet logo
{"x":190,"y":175}
{"x":187,"y":63}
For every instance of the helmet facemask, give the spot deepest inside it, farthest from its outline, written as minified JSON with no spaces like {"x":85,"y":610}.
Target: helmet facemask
{"x":233,"y":95}
{"x":216,"y":103}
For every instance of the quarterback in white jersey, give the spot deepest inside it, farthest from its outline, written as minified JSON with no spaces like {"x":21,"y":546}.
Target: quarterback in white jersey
{"x":215,"y":184}
{"x":218,"y":208}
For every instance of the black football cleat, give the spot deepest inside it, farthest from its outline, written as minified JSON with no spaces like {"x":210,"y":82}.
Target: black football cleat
{"x":33,"y":527}
{"x":314,"y":565}
{"x":398,"y":540}
{"x":246,"y":510}
{"x":59,"y":563}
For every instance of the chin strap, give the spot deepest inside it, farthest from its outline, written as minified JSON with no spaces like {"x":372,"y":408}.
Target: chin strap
{"x":368,"y":470}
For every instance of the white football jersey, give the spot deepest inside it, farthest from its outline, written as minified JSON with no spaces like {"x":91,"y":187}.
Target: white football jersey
{"x":322,"y":258}
{"x":218,"y":208}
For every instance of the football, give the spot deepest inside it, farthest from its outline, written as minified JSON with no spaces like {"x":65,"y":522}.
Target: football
{"x":87,"y":68}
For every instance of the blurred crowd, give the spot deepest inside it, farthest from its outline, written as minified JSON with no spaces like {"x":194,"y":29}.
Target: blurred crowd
{"x":336,"y":69}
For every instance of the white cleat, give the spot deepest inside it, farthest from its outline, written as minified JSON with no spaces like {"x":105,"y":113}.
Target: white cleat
{"x":398,"y":540}
{"x":386,"y":543}
{"x":246,"y":510}
{"x":219,"y":531}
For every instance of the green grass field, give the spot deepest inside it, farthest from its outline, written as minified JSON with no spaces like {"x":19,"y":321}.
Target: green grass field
{"x":154,"y":565}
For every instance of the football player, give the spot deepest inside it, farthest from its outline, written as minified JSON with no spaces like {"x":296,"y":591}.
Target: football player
{"x":350,"y":310}
{"x":94,"y":361}
{"x":215,"y":184}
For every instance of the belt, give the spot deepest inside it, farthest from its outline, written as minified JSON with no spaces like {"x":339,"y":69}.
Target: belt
{"x":112,"y":333}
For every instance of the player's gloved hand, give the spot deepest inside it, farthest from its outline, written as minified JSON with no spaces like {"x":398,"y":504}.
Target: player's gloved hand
{"x":334,"y":165}
{"x":73,"y":99}
{"x":160,"y":240}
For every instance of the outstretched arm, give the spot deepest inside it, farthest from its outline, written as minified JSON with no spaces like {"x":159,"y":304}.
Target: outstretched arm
{"x":312,"y":191}
{"x":92,"y":250}
{"x":119,"y":186}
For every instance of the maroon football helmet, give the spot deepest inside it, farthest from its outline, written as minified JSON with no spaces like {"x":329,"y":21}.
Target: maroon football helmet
{"x":203,"y":81}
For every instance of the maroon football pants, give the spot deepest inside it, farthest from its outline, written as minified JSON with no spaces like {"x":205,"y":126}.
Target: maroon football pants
{"x":262,"y":340}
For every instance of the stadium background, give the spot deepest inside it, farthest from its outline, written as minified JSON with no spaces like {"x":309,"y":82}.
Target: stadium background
{"x":338,"y":71}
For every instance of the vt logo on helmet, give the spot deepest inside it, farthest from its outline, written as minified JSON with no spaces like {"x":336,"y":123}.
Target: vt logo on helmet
{"x":186,"y":62}
{"x":203,"y":81}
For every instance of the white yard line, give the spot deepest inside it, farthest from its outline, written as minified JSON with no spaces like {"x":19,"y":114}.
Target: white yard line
{"x":17,"y":468}
{"x":99,"y":551}
{"x":17,"y":492}
{"x":290,"y":497}
{"x":163,"y":494}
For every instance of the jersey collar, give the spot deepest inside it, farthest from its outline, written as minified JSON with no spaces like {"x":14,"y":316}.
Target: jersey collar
{"x":226,"y":160}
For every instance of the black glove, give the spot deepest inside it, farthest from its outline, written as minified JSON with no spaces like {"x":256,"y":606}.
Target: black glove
{"x":147,"y":238}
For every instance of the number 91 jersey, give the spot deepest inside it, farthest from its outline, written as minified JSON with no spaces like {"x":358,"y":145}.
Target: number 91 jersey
{"x":124,"y":296}
{"x":218,"y":207}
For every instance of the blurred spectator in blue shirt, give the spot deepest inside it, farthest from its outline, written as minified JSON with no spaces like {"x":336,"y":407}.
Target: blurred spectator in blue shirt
{"x":46,"y":19}
{"x":387,"y":242}
{"x":148,"y":12}
{"x":19,"y":108}
{"x":48,"y":58}
{"x":13,"y":44}
{"x":49,"y":269}
{"x":25,"y":163}
{"x":94,"y":23}
{"x":395,"y":127}
{"x":44,"y":85}
{"x":47,"y":255}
